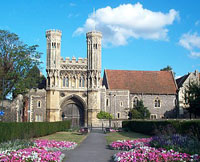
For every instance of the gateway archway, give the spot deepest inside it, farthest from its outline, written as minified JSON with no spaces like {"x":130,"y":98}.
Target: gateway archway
{"x":73,"y":109}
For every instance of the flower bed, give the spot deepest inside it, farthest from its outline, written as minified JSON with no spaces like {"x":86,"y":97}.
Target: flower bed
{"x":140,"y":150}
{"x":129,"y":144}
{"x":147,"y":154}
{"x":41,"y":150}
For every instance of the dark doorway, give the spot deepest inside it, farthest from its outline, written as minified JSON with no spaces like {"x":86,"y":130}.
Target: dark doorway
{"x":73,"y":112}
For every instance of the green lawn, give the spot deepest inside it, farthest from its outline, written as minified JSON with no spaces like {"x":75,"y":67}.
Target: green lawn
{"x":114,"y":136}
{"x":66,"y":136}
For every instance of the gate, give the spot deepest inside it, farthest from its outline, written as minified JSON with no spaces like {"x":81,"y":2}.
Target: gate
{"x":75,"y":113}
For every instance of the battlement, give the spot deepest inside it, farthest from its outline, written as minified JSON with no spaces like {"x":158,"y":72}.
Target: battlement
{"x":74,"y":60}
{"x":93,"y":33}
{"x":53,"y":31}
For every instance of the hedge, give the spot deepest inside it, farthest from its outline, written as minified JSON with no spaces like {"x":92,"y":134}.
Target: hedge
{"x":13,"y":130}
{"x":154,"y":127}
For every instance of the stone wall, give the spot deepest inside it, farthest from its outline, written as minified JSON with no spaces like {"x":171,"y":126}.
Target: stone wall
{"x":13,"y":110}
{"x":37,"y":105}
{"x":117,"y":103}
{"x":192,"y":78}
{"x":167,"y":108}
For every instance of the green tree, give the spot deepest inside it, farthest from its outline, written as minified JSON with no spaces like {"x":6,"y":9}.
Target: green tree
{"x":168,"y":68}
{"x":139,"y":111}
{"x":16,"y":61}
{"x":104,"y":115}
{"x":33,"y":79}
{"x":192,"y":98}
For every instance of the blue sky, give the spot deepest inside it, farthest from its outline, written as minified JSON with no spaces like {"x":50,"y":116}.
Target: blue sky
{"x":138,"y":35}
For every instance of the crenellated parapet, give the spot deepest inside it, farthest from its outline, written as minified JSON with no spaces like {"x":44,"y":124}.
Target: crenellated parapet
{"x":73,"y":64}
{"x":80,"y":60}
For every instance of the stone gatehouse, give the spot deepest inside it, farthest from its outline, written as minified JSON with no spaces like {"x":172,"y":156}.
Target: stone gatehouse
{"x":75,"y":89}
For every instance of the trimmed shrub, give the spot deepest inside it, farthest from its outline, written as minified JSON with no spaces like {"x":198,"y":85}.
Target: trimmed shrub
{"x":104,"y":115}
{"x":164,"y":127}
{"x":12,"y":131}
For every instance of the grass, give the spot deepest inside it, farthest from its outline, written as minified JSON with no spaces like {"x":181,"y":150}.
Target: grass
{"x":114,"y":136}
{"x":65,"y":136}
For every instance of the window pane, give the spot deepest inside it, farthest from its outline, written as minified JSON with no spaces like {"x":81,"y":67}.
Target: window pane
{"x":63,"y":82}
{"x":80,"y":82}
{"x":67,"y":82}
{"x":83,"y":82}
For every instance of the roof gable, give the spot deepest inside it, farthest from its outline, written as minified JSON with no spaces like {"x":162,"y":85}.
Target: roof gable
{"x":146,"y":82}
{"x":181,"y":80}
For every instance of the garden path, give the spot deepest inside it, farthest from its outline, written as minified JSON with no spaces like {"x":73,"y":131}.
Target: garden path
{"x":92,"y":149}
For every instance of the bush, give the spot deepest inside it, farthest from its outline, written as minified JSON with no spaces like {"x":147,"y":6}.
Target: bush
{"x":139,"y":111}
{"x":104,"y":115}
{"x":165,"y":127}
{"x":12,"y":131}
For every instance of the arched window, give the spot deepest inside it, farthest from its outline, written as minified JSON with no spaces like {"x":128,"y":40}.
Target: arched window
{"x":107,"y":102}
{"x":63,"y":82}
{"x":67,"y":82}
{"x":118,"y":115}
{"x":80,"y":80}
{"x":83,"y":82}
{"x":73,"y":82}
{"x":39,"y":104}
{"x":135,"y":101}
{"x":157,"y":102}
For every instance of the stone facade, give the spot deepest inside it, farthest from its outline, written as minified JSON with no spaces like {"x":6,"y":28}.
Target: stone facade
{"x":183,"y":82}
{"x":76,"y":91}
{"x":73,"y":86}
{"x":36,"y":111}
{"x":13,"y":110}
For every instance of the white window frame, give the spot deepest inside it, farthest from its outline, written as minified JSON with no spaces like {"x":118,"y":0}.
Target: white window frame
{"x":154,"y":115}
{"x":121,"y":104}
{"x":156,"y":102}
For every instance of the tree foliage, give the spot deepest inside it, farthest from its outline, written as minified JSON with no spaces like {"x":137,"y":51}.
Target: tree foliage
{"x":192,"y":98}
{"x":104,"y":115}
{"x":139,"y":111}
{"x":168,"y":68}
{"x":16,"y":61}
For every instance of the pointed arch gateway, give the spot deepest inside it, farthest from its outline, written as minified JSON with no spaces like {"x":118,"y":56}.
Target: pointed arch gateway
{"x":74,"y":108}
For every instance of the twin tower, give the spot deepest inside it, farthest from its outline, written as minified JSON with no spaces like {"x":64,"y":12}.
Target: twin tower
{"x":73,"y":86}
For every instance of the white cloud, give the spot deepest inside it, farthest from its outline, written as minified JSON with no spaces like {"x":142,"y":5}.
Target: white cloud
{"x":176,"y":77}
{"x":195,"y":54}
{"x":72,"y":4}
{"x":191,"y":42}
{"x":197,"y":23}
{"x":128,"y":21}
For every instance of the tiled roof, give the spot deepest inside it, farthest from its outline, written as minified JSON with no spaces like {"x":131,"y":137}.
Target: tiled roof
{"x":146,"y":82}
